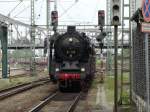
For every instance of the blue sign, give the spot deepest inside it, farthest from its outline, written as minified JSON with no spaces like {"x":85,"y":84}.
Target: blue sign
{"x":146,"y":10}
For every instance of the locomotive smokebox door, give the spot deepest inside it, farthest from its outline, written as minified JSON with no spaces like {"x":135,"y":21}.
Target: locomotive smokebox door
{"x":71,"y":29}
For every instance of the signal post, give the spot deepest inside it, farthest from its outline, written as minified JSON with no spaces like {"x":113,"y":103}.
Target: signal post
{"x":116,"y":22}
{"x":100,"y":37}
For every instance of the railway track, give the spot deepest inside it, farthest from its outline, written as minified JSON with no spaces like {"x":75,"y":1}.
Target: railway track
{"x":14,"y":73}
{"x":21,"y":88}
{"x":74,"y":103}
{"x":51,"y":98}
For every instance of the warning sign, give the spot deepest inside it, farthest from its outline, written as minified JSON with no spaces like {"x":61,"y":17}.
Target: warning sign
{"x":146,"y":10}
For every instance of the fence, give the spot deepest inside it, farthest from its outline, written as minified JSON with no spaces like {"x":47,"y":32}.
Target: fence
{"x":139,"y":84}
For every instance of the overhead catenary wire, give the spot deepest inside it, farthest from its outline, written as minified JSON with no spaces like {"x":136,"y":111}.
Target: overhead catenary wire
{"x":65,"y":11}
{"x":8,"y":1}
{"x":21,"y":11}
{"x":13,"y":1}
{"x":14,"y":8}
{"x":95,"y":9}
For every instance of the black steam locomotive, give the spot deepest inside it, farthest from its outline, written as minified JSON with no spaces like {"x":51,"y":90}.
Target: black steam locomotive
{"x":73,"y":62}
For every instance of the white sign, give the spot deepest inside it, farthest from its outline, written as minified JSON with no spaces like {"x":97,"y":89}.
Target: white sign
{"x":145,"y":27}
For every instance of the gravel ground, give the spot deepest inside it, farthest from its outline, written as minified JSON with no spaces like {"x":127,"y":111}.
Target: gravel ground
{"x":24,"y":101}
{"x":96,"y":99}
{"x":60,"y":103}
{"x":91,"y":103}
{"x":88,"y":103}
{"x":13,"y":81}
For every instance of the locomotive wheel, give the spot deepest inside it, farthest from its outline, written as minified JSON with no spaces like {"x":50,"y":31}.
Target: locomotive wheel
{"x":62,"y":88}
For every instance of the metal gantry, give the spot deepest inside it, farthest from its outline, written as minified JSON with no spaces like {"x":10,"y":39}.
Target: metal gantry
{"x":4,"y":40}
{"x":32,"y":38}
{"x":109,"y":34}
{"x":48,"y":19}
{"x":125,"y":54}
{"x":15,"y":38}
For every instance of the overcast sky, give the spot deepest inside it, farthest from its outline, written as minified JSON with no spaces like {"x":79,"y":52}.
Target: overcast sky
{"x":70,"y":12}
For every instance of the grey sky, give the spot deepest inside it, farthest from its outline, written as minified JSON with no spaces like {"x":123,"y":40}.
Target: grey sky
{"x":82,"y":12}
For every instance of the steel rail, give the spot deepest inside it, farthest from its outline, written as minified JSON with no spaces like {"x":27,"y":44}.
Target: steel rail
{"x":43,"y":103}
{"x":74,"y":104}
{"x":50,"y":97}
{"x":21,"y":88}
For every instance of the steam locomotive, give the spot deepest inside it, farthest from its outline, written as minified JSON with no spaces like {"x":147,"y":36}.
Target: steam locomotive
{"x":73,"y":62}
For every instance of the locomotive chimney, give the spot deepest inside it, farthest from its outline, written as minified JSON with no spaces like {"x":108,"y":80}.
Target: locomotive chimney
{"x":71,"y":29}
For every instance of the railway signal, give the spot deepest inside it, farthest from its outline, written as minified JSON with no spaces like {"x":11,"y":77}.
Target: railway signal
{"x":54,"y":18}
{"x":101,"y":36}
{"x":116,"y":12}
{"x":101,"y":17}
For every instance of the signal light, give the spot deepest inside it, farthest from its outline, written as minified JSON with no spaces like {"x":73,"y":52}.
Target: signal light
{"x":101,"y":36}
{"x":116,"y":12}
{"x":54,"y":18}
{"x":101,"y":17}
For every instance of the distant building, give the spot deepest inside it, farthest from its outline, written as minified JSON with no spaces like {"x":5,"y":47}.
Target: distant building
{"x":138,"y":3}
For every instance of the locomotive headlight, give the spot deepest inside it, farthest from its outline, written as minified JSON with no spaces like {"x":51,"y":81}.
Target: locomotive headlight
{"x":82,"y":69}
{"x":57,"y":69}
{"x":70,"y":40}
